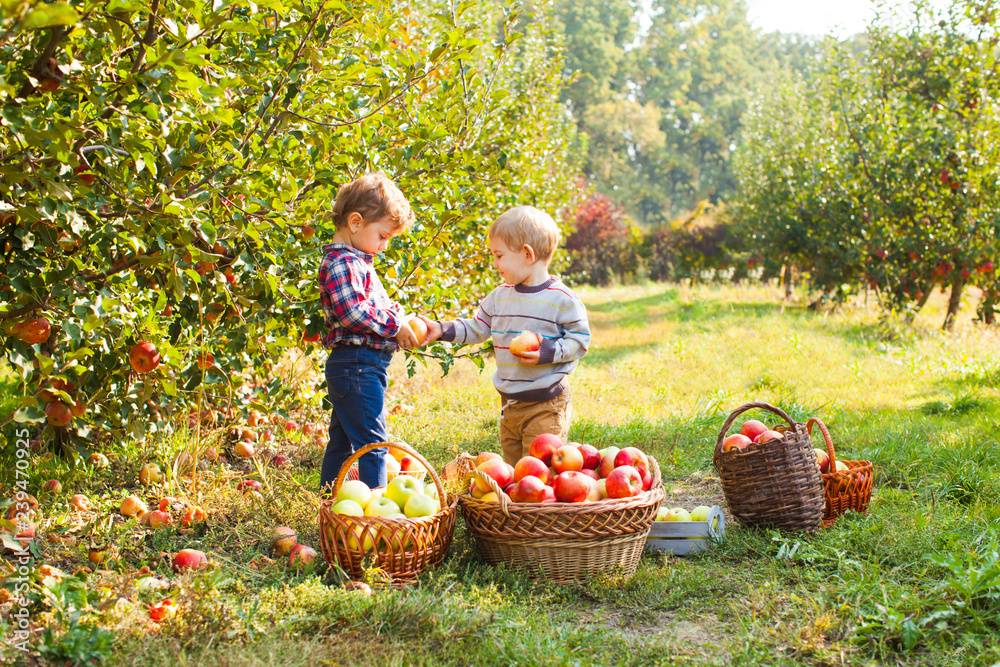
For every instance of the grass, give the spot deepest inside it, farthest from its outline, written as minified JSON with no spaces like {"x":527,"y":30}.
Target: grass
{"x":915,"y":582}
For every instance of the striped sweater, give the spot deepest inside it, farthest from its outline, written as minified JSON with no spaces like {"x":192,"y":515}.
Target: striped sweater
{"x":550,"y":310}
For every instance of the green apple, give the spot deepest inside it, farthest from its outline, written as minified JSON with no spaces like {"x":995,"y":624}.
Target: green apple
{"x":700,"y":513}
{"x":381,"y":506}
{"x":354,"y":541}
{"x":397,"y":515}
{"x":608,"y":450}
{"x":662,"y":514}
{"x":420,"y":505}
{"x":432,"y":491}
{"x":355,"y":490}
{"x":349,"y":507}
{"x":679,"y":514}
{"x":403,"y":488}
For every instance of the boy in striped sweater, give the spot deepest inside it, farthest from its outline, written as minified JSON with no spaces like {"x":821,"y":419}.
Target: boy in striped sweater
{"x":533,"y":385}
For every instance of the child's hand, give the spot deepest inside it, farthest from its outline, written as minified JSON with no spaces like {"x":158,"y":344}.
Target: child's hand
{"x":528,"y":358}
{"x":406,"y":338}
{"x":433,"y":329}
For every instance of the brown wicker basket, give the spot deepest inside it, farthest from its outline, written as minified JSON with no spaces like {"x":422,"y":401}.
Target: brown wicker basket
{"x":401,"y":548}
{"x":776,"y":484}
{"x":564,"y":542}
{"x":849,"y":489}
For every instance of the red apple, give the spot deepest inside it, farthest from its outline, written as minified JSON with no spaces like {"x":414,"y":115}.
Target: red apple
{"x":567,"y":458}
{"x":495,"y":468}
{"x":647,"y":480}
{"x":571,"y":486}
{"x":283,"y":540}
{"x":34,"y":331}
{"x":752,"y":428}
{"x":158,"y":611}
{"x":550,"y":495}
{"x":529,"y":465}
{"x":529,"y":490}
{"x":58,"y":414}
{"x":483,"y":457}
{"x":411,"y":464}
{"x":189,"y":559}
{"x":52,"y":486}
{"x":301,"y":556}
{"x":192,"y":516}
{"x":736,"y":441}
{"x":624,"y":482}
{"x":544,"y":446}
{"x":768,"y":436}
{"x":591,"y":473}
{"x":248,"y":485}
{"x":280,"y":461}
{"x":632,"y":456}
{"x":823,"y":460}
{"x":144,"y":357}
{"x":591,"y":457}
{"x":291,"y":426}
{"x":607,"y":464}
{"x":527,"y":341}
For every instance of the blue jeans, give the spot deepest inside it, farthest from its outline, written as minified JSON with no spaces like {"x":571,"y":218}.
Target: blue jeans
{"x":356,"y":380}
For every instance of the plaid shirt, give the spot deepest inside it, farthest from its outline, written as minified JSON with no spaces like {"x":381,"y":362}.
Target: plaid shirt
{"x":357,"y":308}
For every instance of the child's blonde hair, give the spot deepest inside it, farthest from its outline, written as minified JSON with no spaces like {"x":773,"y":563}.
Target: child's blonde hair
{"x":374,"y":197}
{"x":527,"y":225}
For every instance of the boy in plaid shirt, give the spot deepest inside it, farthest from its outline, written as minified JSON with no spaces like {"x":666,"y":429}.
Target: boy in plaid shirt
{"x":365,"y":326}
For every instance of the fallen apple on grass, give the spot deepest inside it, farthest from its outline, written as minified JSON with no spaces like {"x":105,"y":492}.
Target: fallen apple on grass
{"x":283,"y":539}
{"x":302,"y":556}
{"x":132,"y":506}
{"x":187,"y":560}
{"x":80,"y":503}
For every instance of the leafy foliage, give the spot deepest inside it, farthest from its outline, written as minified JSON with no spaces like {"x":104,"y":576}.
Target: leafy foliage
{"x":879,"y":171}
{"x":603,"y":244}
{"x":164,"y":167}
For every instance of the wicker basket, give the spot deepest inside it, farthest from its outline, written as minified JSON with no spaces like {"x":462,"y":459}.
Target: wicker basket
{"x":776,"y":484}
{"x":401,"y":548}
{"x":849,"y":489}
{"x":564,"y":542}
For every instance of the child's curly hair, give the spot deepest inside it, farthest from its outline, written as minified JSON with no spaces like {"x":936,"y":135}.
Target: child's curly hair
{"x":374,"y":197}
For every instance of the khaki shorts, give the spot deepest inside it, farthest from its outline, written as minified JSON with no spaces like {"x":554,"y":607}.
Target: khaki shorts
{"x":520,"y":423}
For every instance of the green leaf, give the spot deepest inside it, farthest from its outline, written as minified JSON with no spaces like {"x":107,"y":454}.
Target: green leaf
{"x":50,"y":15}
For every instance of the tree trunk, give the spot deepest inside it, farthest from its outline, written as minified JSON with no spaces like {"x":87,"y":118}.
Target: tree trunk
{"x":921,"y":302}
{"x":787,"y":277}
{"x":954,"y":301}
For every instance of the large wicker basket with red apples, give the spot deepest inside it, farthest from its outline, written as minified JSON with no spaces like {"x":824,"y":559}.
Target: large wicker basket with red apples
{"x":566,"y":511}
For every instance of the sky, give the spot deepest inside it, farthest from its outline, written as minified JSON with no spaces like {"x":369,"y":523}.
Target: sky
{"x":841,"y":18}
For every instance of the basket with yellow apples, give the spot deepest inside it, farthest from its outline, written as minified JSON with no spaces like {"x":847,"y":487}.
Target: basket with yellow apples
{"x":847,"y":485}
{"x":584,"y":524}
{"x":770,"y":477}
{"x":402,"y":529}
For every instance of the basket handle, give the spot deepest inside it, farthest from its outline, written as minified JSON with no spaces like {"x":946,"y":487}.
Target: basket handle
{"x":740,"y":410}
{"x":829,"y":441}
{"x":505,"y":500}
{"x":401,"y":446}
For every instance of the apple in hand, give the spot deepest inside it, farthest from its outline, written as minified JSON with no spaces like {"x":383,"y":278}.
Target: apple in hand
{"x":544,"y":446}
{"x":419,"y":330}
{"x":752,"y":428}
{"x":527,"y":341}
{"x":567,"y":458}
{"x":529,"y":465}
{"x":624,"y":482}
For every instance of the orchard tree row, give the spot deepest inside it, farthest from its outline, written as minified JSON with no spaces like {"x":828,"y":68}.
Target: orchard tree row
{"x":880,"y":168}
{"x":167,"y":170}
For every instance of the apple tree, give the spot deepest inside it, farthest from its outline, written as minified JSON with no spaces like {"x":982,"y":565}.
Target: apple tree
{"x":167,"y":169}
{"x":884,"y":174}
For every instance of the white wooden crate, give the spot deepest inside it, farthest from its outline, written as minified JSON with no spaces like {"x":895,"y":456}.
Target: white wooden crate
{"x":683,"y":537}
